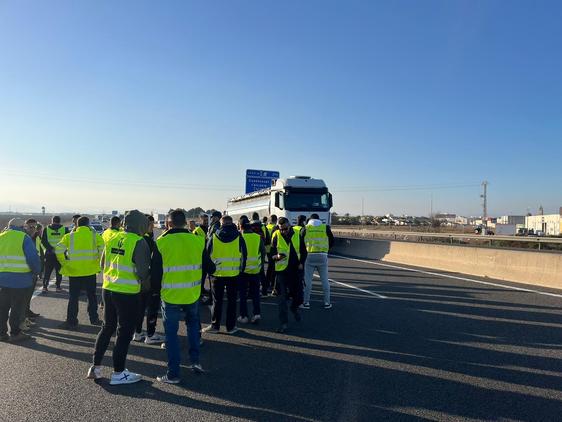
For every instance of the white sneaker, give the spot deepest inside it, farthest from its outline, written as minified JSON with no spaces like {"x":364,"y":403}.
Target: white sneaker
{"x":154,"y":339}
{"x":210,"y":329}
{"x":139,"y":336}
{"x":242,"y":320}
{"x":256,"y":318}
{"x":124,"y":377}
{"x":163,"y":346}
{"x":94,"y":373}
{"x":196,"y":367}
{"x":168,"y":380}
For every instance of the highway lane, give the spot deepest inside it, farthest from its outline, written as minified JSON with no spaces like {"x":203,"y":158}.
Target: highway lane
{"x":398,"y":344}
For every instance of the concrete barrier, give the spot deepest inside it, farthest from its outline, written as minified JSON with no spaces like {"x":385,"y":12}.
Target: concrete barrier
{"x":529,"y":267}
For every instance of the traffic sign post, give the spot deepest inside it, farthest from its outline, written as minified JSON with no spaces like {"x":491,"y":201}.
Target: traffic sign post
{"x":259,"y":179}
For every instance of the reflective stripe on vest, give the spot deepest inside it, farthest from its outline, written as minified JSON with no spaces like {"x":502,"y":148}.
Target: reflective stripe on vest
{"x":199,"y":232}
{"x":316,"y":239}
{"x":253,"y":259}
{"x":284,"y":248}
{"x":119,"y":274}
{"x":54,"y":236}
{"x":12,"y":257}
{"x":82,"y":255}
{"x":227,"y":257}
{"x":182,"y":263}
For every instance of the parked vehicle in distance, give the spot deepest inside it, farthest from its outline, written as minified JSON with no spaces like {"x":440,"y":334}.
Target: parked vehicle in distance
{"x":162,"y":224}
{"x":97,"y":227}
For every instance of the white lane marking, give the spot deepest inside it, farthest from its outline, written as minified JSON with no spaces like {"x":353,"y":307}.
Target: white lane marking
{"x":354,"y":287}
{"x":488,"y":283}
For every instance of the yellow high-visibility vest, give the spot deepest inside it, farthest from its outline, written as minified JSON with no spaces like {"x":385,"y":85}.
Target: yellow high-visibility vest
{"x":182,"y":266}
{"x":79,"y":252}
{"x":316,"y":239}
{"x":284,"y":248}
{"x":253,"y":259}
{"x":12,"y":257}
{"x":119,"y":274}
{"x":227,"y":257}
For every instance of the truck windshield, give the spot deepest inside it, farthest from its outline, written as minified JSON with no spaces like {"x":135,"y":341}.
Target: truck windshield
{"x":300,"y":201}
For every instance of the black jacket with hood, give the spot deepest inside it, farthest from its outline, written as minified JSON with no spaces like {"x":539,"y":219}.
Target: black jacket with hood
{"x":226,"y":234}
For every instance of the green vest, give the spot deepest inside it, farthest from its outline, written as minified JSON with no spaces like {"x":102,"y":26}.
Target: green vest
{"x":12,"y":257}
{"x":109,"y":233}
{"x":54,"y":236}
{"x":79,"y":252}
{"x":227,"y":257}
{"x":284,"y":248}
{"x":199,"y":232}
{"x":316,"y":239}
{"x":253,"y":259}
{"x":297,"y":229}
{"x":182,"y":255}
{"x":119,"y":270}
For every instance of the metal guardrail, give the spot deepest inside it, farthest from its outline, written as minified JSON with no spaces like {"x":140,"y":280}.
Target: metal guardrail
{"x":462,"y":239}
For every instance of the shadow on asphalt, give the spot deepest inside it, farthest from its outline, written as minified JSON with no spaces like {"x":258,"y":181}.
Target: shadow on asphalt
{"x":452,"y":351}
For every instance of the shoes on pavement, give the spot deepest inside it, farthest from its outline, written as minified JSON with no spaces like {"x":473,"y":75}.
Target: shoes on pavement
{"x":305,"y":306}
{"x":97,"y":322}
{"x":4,"y":338}
{"x":234,"y":330}
{"x":25,"y":326}
{"x":163,"y":346}
{"x":59,"y":289}
{"x":138,"y":337}
{"x":125,"y":377}
{"x":327,"y":306}
{"x":45,"y":289}
{"x":154,"y":339}
{"x":282,"y":329}
{"x":242,"y":320}
{"x":21,"y":336}
{"x":94,"y":373}
{"x":196,"y":367}
{"x":256,"y":319}
{"x":166,"y":379}
{"x":68,"y":326}
{"x":210,"y":329}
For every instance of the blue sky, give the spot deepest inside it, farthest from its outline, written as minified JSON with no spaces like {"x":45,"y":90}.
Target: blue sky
{"x":115,"y":105}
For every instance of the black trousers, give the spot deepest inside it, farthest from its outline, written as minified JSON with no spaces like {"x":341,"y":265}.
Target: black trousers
{"x":269,"y":280}
{"x":51,"y":264}
{"x":29,"y":295}
{"x":12,"y":307}
{"x":289,"y":286}
{"x":120,"y":314}
{"x":75,"y":287}
{"x":217,"y":288}
{"x":149,"y":304}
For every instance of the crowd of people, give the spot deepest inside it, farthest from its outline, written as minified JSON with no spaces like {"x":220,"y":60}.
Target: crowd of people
{"x":249,"y":259}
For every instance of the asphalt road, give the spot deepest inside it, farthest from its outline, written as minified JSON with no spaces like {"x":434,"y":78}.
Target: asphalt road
{"x":397,"y":345}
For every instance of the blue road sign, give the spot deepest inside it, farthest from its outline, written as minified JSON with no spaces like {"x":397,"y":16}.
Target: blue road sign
{"x":259,"y":179}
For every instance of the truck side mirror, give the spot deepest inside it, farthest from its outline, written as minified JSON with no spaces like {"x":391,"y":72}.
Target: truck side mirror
{"x":276,"y":199}
{"x":330,"y":202}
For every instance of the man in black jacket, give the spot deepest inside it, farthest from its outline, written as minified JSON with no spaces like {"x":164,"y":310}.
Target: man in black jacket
{"x":52,"y":234}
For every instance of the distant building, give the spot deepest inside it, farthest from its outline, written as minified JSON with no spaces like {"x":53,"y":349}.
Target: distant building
{"x":549,"y":224}
{"x":511,"y":219}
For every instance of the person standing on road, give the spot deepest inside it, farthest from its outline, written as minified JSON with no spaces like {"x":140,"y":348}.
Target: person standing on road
{"x":227,"y":249}
{"x":203,"y":227}
{"x":52,"y":235}
{"x":126,"y":271}
{"x":150,"y":300}
{"x":178,"y":263}
{"x":318,"y":239}
{"x":270,"y":274}
{"x":215,"y":224}
{"x":286,"y":250}
{"x":33,"y":229}
{"x":250,"y":277}
{"x":112,"y":230}
{"x":79,"y":253}
{"x":19,"y":265}
{"x":75,"y":218}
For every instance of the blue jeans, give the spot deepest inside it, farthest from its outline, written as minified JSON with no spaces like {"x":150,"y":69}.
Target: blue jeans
{"x":171,"y":315}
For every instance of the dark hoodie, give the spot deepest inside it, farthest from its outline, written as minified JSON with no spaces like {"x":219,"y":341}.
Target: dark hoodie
{"x":228,"y":233}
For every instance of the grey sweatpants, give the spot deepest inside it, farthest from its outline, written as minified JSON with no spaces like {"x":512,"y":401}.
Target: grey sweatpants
{"x":319,"y":262}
